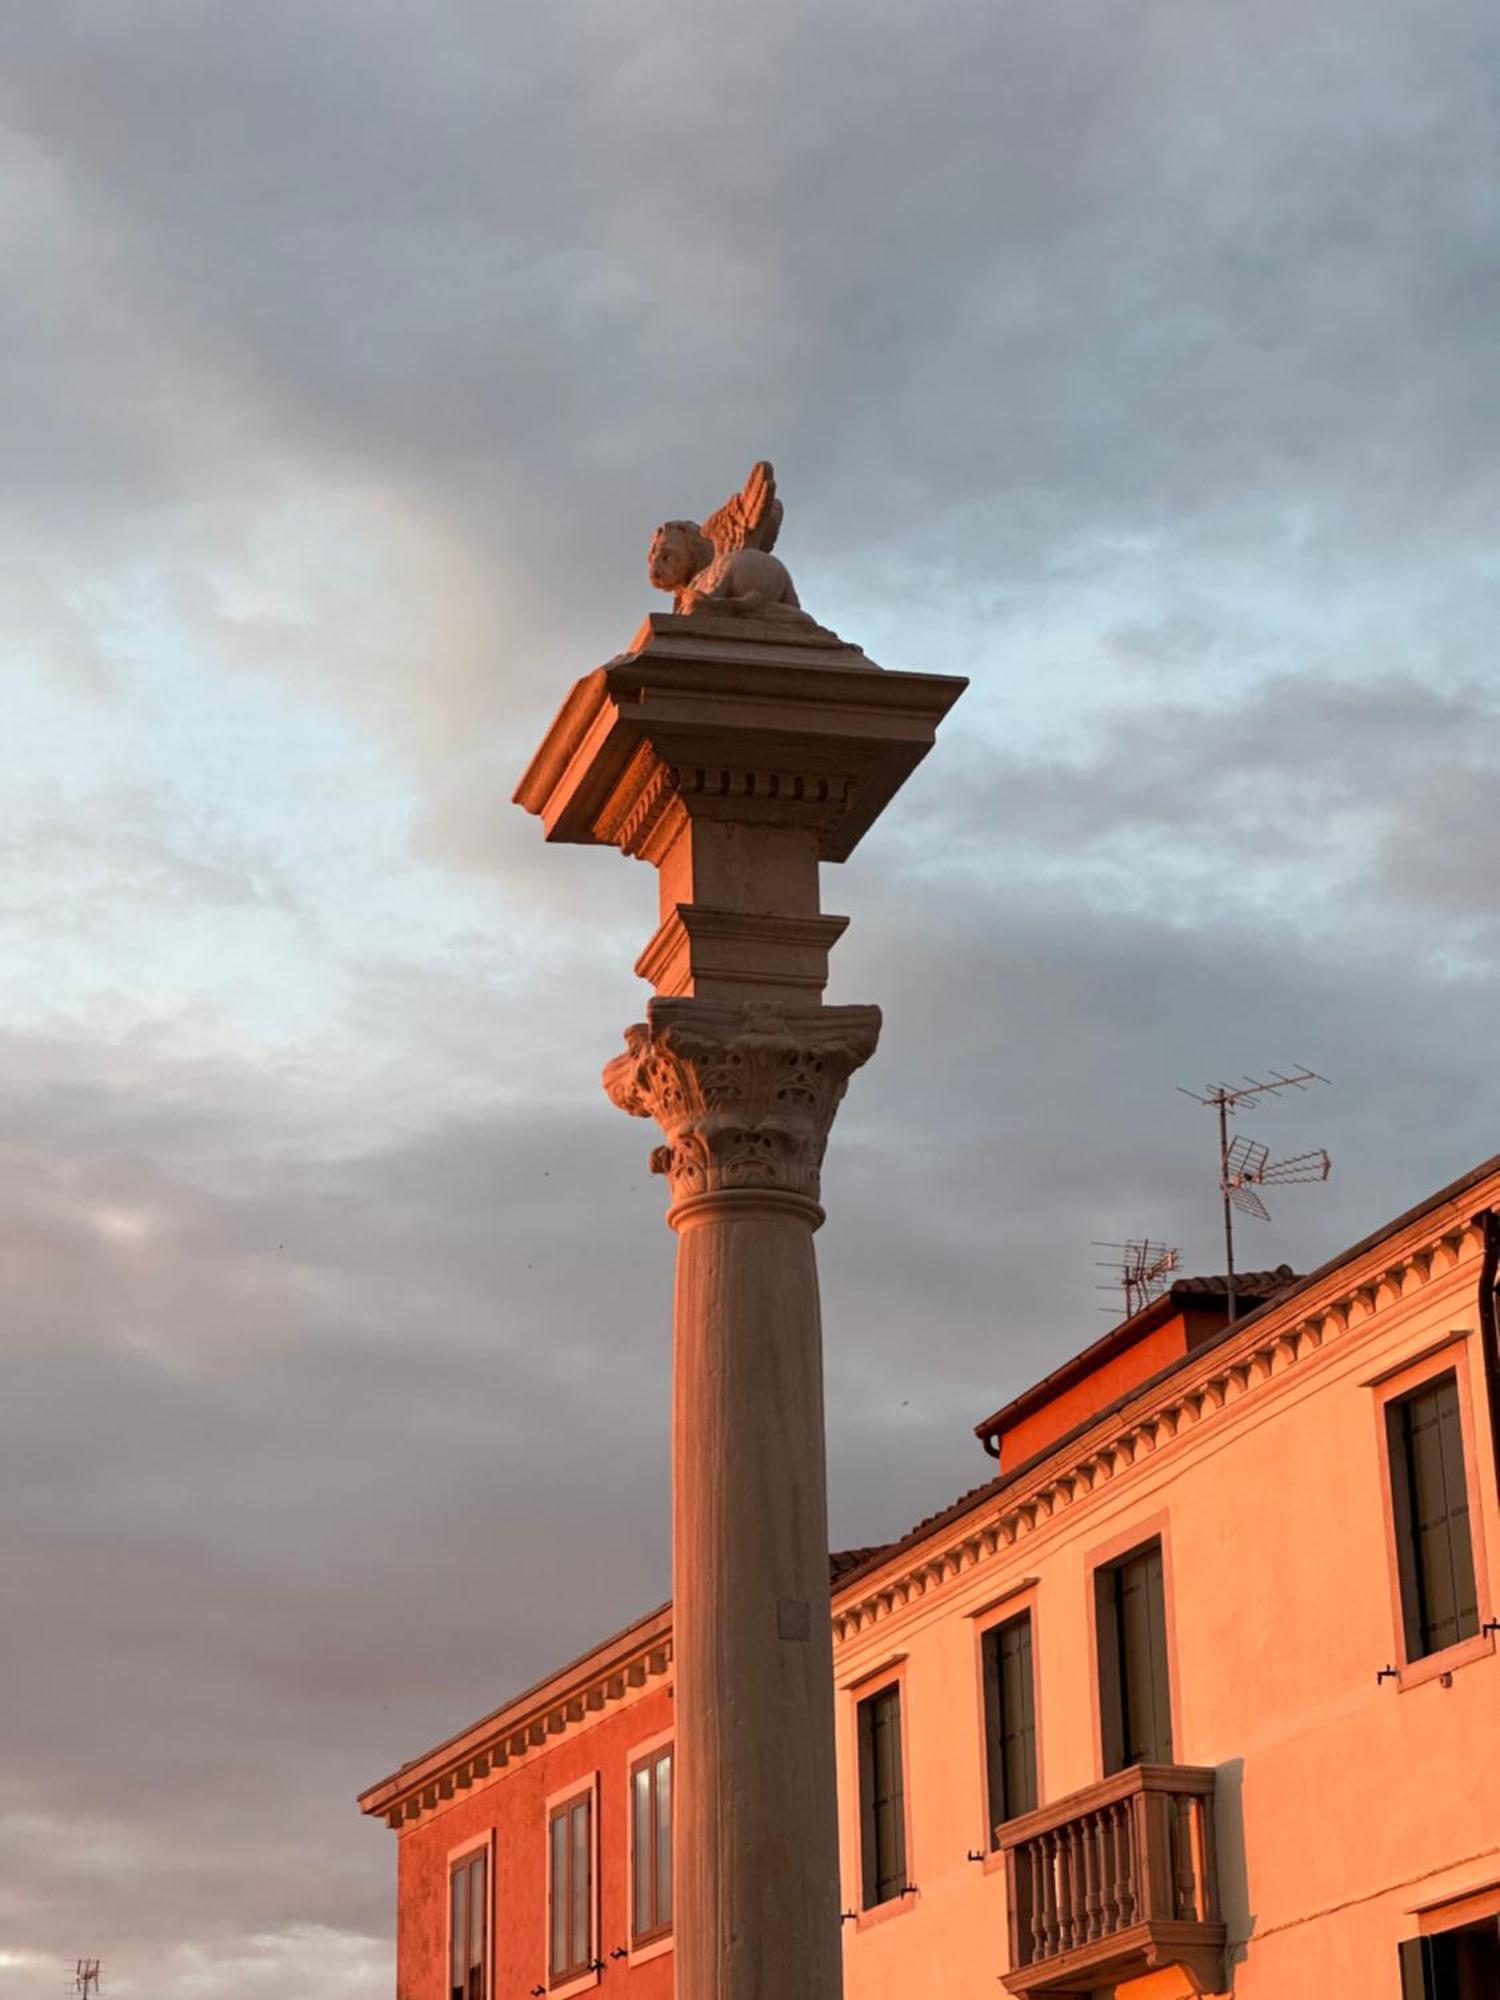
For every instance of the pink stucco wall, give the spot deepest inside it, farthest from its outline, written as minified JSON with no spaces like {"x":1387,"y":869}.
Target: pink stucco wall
{"x":513,"y":1805}
{"x":1345,"y":1806}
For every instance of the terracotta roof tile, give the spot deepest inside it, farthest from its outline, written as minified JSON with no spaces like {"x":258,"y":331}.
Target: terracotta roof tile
{"x":1247,"y":1284}
{"x":842,"y":1561}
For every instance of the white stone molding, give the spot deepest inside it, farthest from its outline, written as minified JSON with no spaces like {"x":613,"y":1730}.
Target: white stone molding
{"x":746,"y":1095}
{"x":1271,"y":1345}
{"x":522,"y":1731}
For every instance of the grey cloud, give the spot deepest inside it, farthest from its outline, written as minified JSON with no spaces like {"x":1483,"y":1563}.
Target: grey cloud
{"x":1137,"y":360}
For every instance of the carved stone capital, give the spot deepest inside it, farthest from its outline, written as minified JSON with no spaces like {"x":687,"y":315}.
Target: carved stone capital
{"x":746,"y":1095}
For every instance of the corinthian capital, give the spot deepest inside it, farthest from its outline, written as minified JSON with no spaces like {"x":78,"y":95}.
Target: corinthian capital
{"x":745,"y":1094}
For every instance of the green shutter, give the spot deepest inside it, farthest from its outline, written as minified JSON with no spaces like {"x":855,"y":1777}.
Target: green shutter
{"x":458,"y":1931}
{"x":1135,"y":1701}
{"x":1430,"y":1497}
{"x":1111,"y":1679}
{"x":882,"y":1800}
{"x":1416,"y":1969}
{"x":558,"y":1892}
{"x":1009,"y":1720}
{"x":478,"y":1917}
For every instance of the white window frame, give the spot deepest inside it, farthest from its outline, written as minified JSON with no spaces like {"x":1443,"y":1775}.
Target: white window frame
{"x":565,"y":1795}
{"x":641,"y":1955}
{"x":465,"y":1851}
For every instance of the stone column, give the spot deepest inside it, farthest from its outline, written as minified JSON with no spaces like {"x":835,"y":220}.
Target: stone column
{"x":746,"y":1096}
{"x":737,"y":748}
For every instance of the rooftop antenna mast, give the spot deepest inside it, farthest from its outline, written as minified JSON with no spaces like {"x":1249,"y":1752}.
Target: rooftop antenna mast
{"x":1141,"y":1269}
{"x":86,"y":1979}
{"x":1245,"y":1165}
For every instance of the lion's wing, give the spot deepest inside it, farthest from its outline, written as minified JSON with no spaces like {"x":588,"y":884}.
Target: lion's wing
{"x":749,"y":519}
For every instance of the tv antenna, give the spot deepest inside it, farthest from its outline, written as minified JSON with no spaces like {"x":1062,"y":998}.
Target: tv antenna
{"x":1245,"y":1165}
{"x":1141,"y":1269}
{"x":86,"y":1977}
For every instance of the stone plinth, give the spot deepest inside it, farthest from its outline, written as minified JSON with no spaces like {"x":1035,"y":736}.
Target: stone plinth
{"x":736,"y":754}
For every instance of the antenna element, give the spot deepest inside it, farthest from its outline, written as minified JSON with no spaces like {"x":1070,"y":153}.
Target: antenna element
{"x":1141,"y":1269}
{"x":1245,"y":1164}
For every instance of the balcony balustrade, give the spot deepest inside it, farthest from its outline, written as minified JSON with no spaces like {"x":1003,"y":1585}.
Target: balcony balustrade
{"x":1114,"y":1882}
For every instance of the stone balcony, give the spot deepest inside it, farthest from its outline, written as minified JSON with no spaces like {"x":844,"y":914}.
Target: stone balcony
{"x":1115,"y":1882}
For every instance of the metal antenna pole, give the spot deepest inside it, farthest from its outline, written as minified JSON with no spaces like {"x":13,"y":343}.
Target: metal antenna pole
{"x":1245,"y":1164}
{"x":1224,"y":1185}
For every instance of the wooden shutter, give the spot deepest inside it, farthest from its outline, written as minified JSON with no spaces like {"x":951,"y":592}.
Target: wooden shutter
{"x":882,"y":1799}
{"x":458,"y":1931}
{"x":557,"y":1892}
{"x":1135,"y":1700}
{"x":1416,"y":1969}
{"x":1111,"y":1680}
{"x":1429,"y":1492}
{"x":479,"y":1910}
{"x":1010,"y":1720}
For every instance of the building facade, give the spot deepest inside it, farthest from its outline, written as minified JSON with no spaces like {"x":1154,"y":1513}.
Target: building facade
{"x":1197,"y":1694}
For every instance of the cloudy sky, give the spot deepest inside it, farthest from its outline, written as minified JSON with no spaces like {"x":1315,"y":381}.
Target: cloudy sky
{"x":1133,"y":357}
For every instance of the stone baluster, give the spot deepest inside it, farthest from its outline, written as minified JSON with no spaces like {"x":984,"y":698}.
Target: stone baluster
{"x":1091,"y":1873}
{"x":1036,"y":1872}
{"x":1109,"y":1870}
{"x":1050,"y":1930}
{"x":1128,"y":1850}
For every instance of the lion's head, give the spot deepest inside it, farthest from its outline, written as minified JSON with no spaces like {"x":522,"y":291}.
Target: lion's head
{"x":679,"y":549}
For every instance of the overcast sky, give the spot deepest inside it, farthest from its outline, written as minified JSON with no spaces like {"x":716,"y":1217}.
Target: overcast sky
{"x":1133,"y":357}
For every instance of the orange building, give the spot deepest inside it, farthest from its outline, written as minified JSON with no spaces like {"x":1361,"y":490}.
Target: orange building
{"x":1197,"y":1695}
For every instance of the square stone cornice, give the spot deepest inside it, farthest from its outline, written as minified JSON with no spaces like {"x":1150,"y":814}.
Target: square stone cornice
{"x":737,"y":719}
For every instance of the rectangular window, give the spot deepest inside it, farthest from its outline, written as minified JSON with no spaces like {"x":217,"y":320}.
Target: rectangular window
{"x":651,"y":1846}
{"x":468,"y":1927}
{"x":1430,"y":1499}
{"x":570,"y":1888}
{"x":1009,"y":1720}
{"x":882,"y":1801}
{"x":1135,"y":1702}
{"x":1462,"y":1964}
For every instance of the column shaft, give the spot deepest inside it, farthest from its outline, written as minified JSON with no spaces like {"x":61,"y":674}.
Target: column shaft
{"x":756,"y":1840}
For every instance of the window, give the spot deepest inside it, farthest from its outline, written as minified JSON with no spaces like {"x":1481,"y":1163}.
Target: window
{"x":1430,"y":1502}
{"x":570,"y":1879}
{"x":1135,"y":1703}
{"x":1009,"y":1720}
{"x":468,"y":1926}
{"x":651,"y":1846}
{"x":1462,"y":1964}
{"x":882,"y":1800}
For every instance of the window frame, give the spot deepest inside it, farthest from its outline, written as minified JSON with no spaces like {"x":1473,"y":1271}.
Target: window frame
{"x":1109,"y":1554}
{"x":463,"y":1856}
{"x":1007,"y":1611}
{"x":650,"y":1944}
{"x":1450,"y":1356}
{"x":868,"y":1688}
{"x":574,"y":1979}
{"x":1424,"y":1972}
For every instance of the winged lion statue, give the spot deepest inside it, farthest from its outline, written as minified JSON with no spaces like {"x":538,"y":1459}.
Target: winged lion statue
{"x":726,"y":564}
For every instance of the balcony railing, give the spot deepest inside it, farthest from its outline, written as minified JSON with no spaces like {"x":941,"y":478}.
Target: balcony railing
{"x":1115,"y":1881}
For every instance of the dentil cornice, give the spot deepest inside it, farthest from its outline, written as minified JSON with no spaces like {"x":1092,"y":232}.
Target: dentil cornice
{"x":1275,"y":1341}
